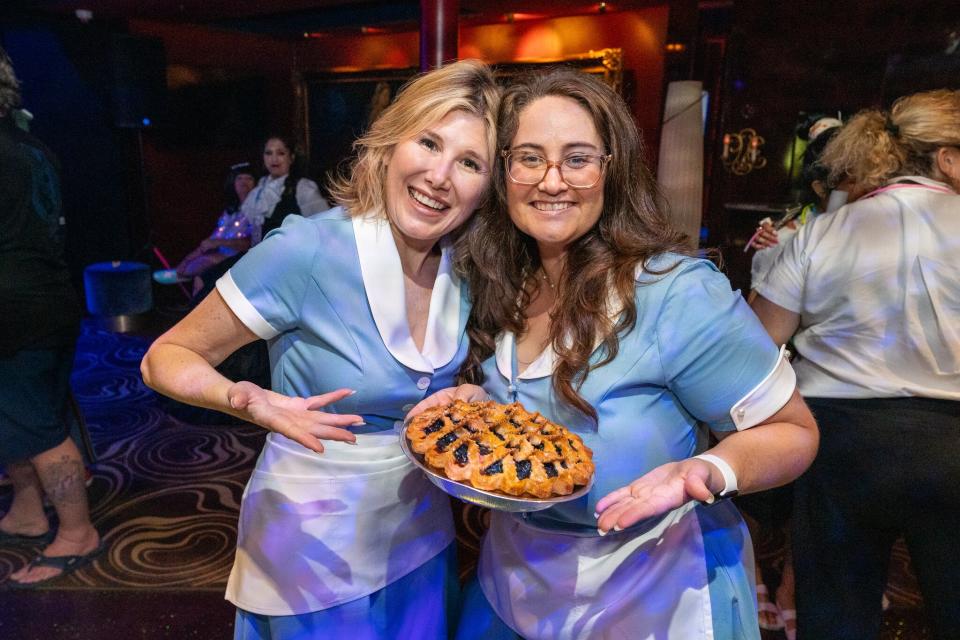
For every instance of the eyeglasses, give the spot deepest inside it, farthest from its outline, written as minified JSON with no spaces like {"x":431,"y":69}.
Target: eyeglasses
{"x":578,"y":170}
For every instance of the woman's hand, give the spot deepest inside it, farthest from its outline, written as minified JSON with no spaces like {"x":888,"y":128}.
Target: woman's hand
{"x":295,"y":418}
{"x":765,"y":236}
{"x":665,"y":488}
{"x":465,"y":392}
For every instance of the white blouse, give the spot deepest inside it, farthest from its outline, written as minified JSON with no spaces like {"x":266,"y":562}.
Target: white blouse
{"x":877,"y":288}
{"x":263,"y":199}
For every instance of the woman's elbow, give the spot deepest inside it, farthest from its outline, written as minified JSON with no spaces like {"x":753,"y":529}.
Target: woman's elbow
{"x":149,"y":366}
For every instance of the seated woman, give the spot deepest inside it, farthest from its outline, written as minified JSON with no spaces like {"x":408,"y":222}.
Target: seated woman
{"x":283,"y":191}
{"x":231,"y":236}
{"x":587,"y":309}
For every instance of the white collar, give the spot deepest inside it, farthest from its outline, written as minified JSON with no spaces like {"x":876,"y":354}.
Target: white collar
{"x":921,"y":180}
{"x":383,"y":282}
{"x":539,"y":368}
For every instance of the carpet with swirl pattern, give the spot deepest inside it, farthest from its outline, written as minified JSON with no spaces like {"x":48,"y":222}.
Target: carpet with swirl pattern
{"x":165,"y":496}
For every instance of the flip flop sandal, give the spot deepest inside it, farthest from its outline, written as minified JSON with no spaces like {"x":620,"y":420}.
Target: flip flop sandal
{"x":23,"y":540}
{"x":66,"y":564}
{"x":764,"y":605}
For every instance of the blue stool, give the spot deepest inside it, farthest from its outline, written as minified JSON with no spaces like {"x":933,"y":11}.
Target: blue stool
{"x":118,"y":292}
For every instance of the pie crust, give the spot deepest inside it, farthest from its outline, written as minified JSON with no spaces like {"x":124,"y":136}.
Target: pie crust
{"x":501,"y":447}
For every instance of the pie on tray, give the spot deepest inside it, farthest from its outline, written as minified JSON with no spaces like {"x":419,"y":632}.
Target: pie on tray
{"x":503,"y":448}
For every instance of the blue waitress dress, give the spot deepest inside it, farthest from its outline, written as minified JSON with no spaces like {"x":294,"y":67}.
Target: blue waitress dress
{"x":354,"y":542}
{"x":696,"y":358}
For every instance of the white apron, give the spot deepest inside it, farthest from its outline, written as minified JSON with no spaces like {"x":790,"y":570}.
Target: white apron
{"x":624,"y":586}
{"x":319,"y":530}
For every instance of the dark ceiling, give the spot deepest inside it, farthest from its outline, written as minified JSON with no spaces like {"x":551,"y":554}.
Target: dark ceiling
{"x":293,"y":18}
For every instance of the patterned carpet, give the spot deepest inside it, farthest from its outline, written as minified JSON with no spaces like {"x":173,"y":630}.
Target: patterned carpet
{"x":165,"y":496}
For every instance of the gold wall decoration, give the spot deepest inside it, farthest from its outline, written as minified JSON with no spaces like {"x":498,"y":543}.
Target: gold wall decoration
{"x":741,"y":152}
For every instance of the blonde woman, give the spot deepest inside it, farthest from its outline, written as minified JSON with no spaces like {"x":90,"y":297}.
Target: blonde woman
{"x":871,"y":296}
{"x":339,"y":536}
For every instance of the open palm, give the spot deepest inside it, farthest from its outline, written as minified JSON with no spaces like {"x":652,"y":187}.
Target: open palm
{"x":661,"y":490}
{"x":294,"y":417}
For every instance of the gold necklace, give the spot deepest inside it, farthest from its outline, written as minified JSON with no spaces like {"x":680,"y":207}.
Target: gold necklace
{"x":546,"y":278}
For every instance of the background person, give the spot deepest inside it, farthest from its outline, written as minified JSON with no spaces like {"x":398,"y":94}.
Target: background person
{"x":871,"y":296}
{"x":353,"y":543}
{"x":38,"y":333}
{"x":230,"y":237}
{"x":283,"y":191}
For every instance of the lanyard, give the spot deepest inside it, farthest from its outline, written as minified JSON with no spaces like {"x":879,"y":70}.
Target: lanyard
{"x":891,"y":187}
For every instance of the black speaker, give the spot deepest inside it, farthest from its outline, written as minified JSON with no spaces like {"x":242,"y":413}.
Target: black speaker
{"x":139,"y":73}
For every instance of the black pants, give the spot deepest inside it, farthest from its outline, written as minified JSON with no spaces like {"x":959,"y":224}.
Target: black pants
{"x":886,"y":467}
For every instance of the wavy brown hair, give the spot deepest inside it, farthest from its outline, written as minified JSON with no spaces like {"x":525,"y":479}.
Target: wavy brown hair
{"x":499,"y":261}
{"x":876,"y":146}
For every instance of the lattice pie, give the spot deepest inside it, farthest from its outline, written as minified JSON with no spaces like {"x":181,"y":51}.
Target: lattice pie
{"x":499,"y":447}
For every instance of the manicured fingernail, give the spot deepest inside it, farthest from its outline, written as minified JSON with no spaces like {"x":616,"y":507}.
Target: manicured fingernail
{"x":601,"y":532}
{"x":353,"y":442}
{"x":617,"y":527}
{"x":709,"y":500}
{"x":595,"y":515}
{"x":359,"y":423}
{"x":352,"y":391}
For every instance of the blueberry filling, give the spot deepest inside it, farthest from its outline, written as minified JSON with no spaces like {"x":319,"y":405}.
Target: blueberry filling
{"x":496,"y":467}
{"x":497,"y":433}
{"x":445,"y":440}
{"x":460,"y":454}
{"x":551,"y":469}
{"x":523,"y":469}
{"x":559,"y":450}
{"x":538,"y":446}
{"x":485,"y":450}
{"x":436,"y":426}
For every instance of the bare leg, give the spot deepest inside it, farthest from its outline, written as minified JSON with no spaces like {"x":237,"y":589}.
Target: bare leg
{"x":26,"y":515}
{"x":61,"y":472}
{"x":786,"y":600}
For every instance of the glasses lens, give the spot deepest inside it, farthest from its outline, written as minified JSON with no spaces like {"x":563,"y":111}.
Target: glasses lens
{"x":578,"y":171}
{"x":582,"y":170}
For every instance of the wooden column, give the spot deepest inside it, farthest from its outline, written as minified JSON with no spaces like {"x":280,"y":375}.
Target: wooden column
{"x":439,"y":32}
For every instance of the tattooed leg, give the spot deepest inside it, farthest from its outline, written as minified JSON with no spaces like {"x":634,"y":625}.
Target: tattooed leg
{"x":61,"y":473}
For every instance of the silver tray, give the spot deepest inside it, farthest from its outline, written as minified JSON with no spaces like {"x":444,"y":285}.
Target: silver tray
{"x":488,"y":499}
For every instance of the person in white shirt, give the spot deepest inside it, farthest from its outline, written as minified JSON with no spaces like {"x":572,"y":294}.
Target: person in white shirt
{"x":282,"y":191}
{"x":871,"y":296}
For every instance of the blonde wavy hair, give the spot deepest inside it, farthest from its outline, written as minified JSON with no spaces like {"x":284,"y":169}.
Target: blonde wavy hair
{"x":876,"y":146}
{"x":467,"y":85}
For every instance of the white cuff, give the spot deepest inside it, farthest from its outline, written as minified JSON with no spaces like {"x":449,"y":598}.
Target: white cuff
{"x":729,"y":477}
{"x":240,"y":306}
{"x":768,"y":397}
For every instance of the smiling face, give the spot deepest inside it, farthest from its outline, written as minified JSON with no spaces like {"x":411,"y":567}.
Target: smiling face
{"x":277,"y":158}
{"x":436,"y":179}
{"x":551,"y":212}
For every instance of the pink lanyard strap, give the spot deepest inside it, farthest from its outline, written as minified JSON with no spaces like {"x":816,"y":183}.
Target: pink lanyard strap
{"x":891,"y":187}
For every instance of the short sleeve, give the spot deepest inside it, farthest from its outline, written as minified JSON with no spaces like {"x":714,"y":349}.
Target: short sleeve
{"x":784,"y":282}
{"x":266,"y":288}
{"x":713,"y":349}
{"x":309,"y":199}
